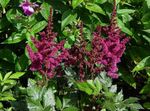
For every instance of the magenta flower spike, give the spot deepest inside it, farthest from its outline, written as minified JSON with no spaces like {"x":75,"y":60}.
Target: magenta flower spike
{"x":50,"y":54}
{"x":28,"y":7}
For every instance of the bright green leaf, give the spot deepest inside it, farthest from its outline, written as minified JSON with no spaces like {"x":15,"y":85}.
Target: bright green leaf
{"x":95,"y":8}
{"x":4,"y":3}
{"x":14,"y":38}
{"x":75,"y":3}
{"x":71,"y":109}
{"x":67,"y":18}
{"x":17,"y":75}
{"x":124,"y":11}
{"x":38,"y":27}
{"x":45,"y":10}
{"x":145,"y":63}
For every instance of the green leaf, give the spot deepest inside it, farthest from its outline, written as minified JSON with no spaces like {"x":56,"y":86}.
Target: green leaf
{"x":8,"y":55}
{"x":4,"y":3}
{"x":148,"y":3}
{"x":7,"y":75}
{"x":38,"y":27}
{"x":75,"y":3}
{"x":33,"y":91}
{"x":49,"y":98}
{"x":34,"y":105}
{"x":145,"y":63}
{"x":67,"y":18}
{"x":45,"y":10}
{"x":14,"y":38}
{"x":98,"y":84}
{"x":100,"y":1}
{"x":1,"y":77}
{"x":131,"y":100}
{"x":135,"y":106}
{"x":58,"y":103}
{"x":146,"y":89}
{"x":95,"y":8}
{"x":124,"y":28}
{"x":83,"y":86}
{"x":6,"y":96}
{"x":146,"y":105}
{"x":147,"y":30}
{"x":124,"y":11}
{"x":22,"y":63}
{"x":17,"y":75}
{"x":71,"y":109}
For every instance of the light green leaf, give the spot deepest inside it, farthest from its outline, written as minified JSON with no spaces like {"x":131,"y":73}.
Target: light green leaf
{"x":94,"y":8}
{"x":1,"y":77}
{"x":124,"y":11}
{"x":98,"y":84}
{"x":83,"y":86}
{"x":4,"y":3}
{"x":38,"y":27}
{"x":75,"y":3}
{"x":49,"y":98}
{"x":148,"y":3}
{"x":45,"y":10}
{"x":58,"y":103}
{"x":145,"y":63}
{"x":17,"y":75}
{"x":147,"y":30}
{"x":67,"y":18}
{"x":71,"y":109}
{"x":14,"y":38}
{"x":7,"y":75}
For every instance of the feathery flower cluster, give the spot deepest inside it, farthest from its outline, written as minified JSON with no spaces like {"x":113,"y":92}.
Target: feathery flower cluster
{"x":105,"y":53}
{"x":50,"y":54}
{"x":28,"y":7}
{"x":110,"y":48}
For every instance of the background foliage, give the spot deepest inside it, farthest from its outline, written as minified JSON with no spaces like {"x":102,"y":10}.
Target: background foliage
{"x":23,"y":90}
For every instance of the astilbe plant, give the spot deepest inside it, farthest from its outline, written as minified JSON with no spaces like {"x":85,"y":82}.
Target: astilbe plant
{"x":50,"y":54}
{"x":111,"y":48}
{"x":105,"y":53}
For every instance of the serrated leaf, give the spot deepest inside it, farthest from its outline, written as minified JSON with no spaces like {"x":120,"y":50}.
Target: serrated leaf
{"x":135,"y":106}
{"x":67,"y":18}
{"x":49,"y":98}
{"x":38,"y":27}
{"x":98,"y":84}
{"x":32,"y":90}
{"x":131,"y":100}
{"x":95,"y":8}
{"x":34,"y":105}
{"x":75,"y":3}
{"x":17,"y":75}
{"x":145,"y":63}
